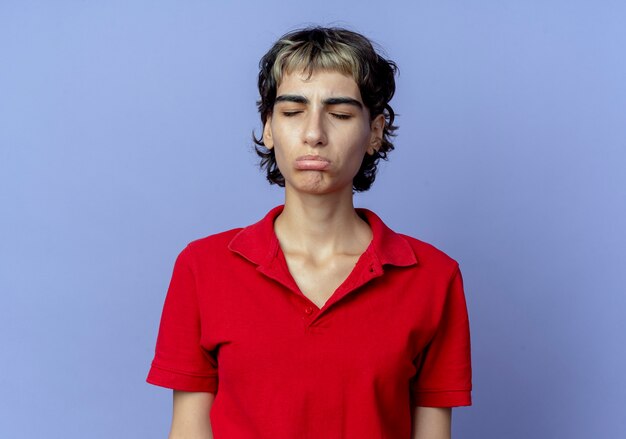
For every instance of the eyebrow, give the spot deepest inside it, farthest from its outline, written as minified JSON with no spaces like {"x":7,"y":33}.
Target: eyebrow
{"x":298,"y":99}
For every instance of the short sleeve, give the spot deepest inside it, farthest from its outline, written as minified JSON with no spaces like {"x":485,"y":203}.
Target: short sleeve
{"x":444,"y":376}
{"x":180,"y":362}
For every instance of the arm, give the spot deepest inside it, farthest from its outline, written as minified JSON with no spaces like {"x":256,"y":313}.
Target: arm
{"x":190,"y":417}
{"x":432,"y":423}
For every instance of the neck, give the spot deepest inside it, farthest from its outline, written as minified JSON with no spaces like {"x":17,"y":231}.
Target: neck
{"x":321,"y":225}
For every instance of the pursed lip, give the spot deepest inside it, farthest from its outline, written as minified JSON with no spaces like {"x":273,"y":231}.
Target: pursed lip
{"x":312,"y":157}
{"x":312,"y":162}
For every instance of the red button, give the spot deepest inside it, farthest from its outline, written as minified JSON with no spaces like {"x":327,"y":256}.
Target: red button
{"x":308,"y":310}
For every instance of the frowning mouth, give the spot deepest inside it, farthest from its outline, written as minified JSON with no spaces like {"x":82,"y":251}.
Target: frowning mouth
{"x":312,"y":162}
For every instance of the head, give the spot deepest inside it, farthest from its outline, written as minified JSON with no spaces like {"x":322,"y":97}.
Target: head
{"x":338,"y":50}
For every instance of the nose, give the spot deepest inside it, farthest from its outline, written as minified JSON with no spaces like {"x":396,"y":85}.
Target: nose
{"x":315,"y":130}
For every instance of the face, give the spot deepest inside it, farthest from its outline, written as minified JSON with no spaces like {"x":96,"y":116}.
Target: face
{"x":320,"y":131}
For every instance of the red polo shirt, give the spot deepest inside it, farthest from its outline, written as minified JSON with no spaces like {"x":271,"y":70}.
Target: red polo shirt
{"x":393,"y":336}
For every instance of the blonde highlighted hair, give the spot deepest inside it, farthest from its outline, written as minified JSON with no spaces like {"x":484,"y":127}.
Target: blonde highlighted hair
{"x":306,"y":56}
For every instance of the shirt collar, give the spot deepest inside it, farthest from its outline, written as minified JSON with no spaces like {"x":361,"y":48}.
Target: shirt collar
{"x":258,"y":242}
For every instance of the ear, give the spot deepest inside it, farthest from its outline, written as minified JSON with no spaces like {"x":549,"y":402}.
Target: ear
{"x":268,"y":140}
{"x":376,"y":134}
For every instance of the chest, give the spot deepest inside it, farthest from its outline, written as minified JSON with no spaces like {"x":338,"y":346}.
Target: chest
{"x":265,"y":312}
{"x":349,"y":360}
{"x":318,"y":281}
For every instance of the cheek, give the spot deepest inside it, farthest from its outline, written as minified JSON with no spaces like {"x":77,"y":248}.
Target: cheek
{"x":286,"y":140}
{"x":356,"y":162}
{"x":280,"y":157}
{"x":280,"y":138}
{"x":277,"y":154}
{"x":359,"y":148}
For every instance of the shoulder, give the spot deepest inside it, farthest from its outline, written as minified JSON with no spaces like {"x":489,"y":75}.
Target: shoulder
{"x":209,"y":255}
{"x":200,"y":251}
{"x":210,"y":246}
{"x":431,"y":258}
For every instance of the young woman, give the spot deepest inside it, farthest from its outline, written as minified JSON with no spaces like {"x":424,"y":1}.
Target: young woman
{"x":318,"y":321}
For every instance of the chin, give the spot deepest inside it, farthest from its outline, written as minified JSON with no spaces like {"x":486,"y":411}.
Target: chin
{"x":315,"y":183}
{"x":313,"y":189}
{"x":318,"y":187}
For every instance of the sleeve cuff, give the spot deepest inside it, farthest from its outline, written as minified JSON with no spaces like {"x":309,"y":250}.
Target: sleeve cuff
{"x":182,"y":381}
{"x":455,"y":398}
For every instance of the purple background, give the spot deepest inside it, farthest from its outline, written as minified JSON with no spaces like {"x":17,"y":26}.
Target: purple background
{"x":125,"y":133}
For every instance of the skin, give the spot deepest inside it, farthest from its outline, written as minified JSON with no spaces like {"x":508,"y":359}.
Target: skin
{"x":190,"y":415}
{"x":319,"y":231}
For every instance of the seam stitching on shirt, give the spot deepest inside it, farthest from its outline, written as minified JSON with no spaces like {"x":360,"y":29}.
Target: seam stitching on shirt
{"x":181,"y":372}
{"x":442,"y":391}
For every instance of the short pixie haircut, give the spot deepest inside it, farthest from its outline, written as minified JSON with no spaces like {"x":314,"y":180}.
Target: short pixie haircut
{"x":335,"y":49}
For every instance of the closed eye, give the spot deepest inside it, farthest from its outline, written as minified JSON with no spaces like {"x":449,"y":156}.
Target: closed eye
{"x":290,"y":113}
{"x":341,"y":116}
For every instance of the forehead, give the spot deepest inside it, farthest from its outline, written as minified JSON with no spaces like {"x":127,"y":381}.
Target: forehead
{"x":324,"y":83}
